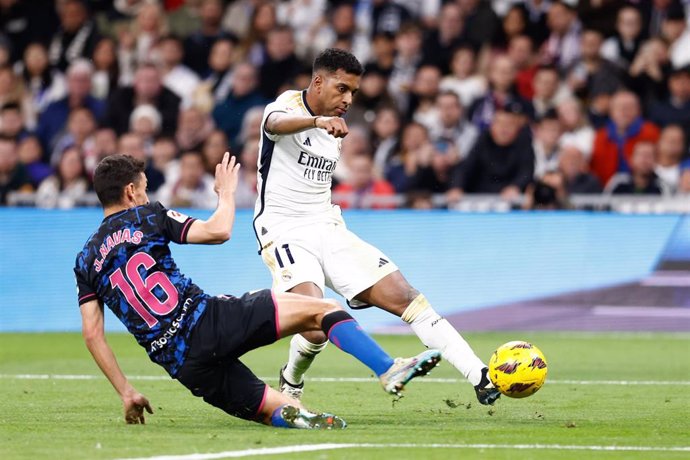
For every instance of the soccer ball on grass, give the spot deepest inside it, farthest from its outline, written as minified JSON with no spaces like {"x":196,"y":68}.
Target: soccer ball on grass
{"x":518,"y":369}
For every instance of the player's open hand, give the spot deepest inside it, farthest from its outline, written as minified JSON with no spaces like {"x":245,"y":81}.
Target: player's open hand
{"x":227,"y":175}
{"x":135,"y":403}
{"x":335,"y":126}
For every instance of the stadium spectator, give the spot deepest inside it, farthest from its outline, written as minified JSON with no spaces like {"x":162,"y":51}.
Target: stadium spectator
{"x":562,"y":47}
{"x":31,"y":156}
{"x":104,"y":144}
{"x":79,"y":132}
{"x":501,"y":94}
{"x":176,"y":76}
{"x":42,"y":84}
{"x":674,"y":109}
{"x":480,"y":21}
{"x":372,"y":94}
{"x":387,"y":16}
{"x":684,"y":182}
{"x":52,"y":120}
{"x":263,"y":20}
{"x":383,"y":52}
{"x":138,"y":40}
{"x":147,"y":88}
{"x":521,"y":52}
{"x":548,"y":91}
{"x":546,"y":193}
{"x":76,"y":36}
{"x":622,"y":48}
{"x":572,"y":165}
{"x":20,"y":27}
{"x":650,"y":70}
{"x":11,"y":90}
{"x":411,"y":168}
{"x":193,"y":187}
{"x":215,"y":145}
{"x":197,"y":46}
{"x":590,"y":74}
{"x":452,"y":135}
{"x":408,"y":43}
{"x":185,"y":18}
{"x":464,"y":79}
{"x":280,"y":63}
{"x":107,"y":74}
{"x":502,"y":160}
{"x":547,"y":132}
{"x":243,"y":96}
{"x":354,"y":144}
{"x":251,"y":127}
{"x":384,"y":136}
{"x":306,"y":19}
{"x":164,"y":158}
{"x":676,"y":31}
{"x":653,"y":14}
{"x":67,"y":185}
{"x":145,"y":121}
{"x":537,"y":29}
{"x":339,"y":24}
{"x":641,"y":178}
{"x":576,"y":129}
{"x":423,"y":94}
{"x":246,"y":193}
{"x":193,"y":128}
{"x":439,"y":44}
{"x":513,"y":24}
{"x":11,"y":122}
{"x":132,"y":144}
{"x":220,"y":61}
{"x":13,"y":175}
{"x":670,"y":150}
{"x":362,"y":188}
{"x":614,"y":143}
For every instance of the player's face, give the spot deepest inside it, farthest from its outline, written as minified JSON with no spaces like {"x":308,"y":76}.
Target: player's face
{"x":336,"y":91}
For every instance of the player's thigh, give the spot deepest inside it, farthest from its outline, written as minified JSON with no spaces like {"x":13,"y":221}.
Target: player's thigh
{"x":231,"y":326}
{"x":300,"y":313}
{"x":294,"y":260}
{"x":228,"y":385}
{"x":352,"y":265}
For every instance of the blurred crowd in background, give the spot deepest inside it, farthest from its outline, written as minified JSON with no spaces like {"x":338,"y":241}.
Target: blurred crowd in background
{"x":533,"y":99}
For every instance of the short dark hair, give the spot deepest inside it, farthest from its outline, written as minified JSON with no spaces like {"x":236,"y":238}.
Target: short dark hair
{"x":333,"y":59}
{"x":113,"y":174}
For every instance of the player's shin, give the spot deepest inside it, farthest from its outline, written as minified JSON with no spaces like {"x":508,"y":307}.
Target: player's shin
{"x":302,"y":354}
{"x":435,"y":332}
{"x":346,"y":334}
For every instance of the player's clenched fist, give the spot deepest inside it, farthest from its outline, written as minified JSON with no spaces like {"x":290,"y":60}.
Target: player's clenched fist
{"x":227,"y":173}
{"x":335,"y":126}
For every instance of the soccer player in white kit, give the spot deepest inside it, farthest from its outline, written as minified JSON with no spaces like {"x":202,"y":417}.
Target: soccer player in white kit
{"x":303,"y":239}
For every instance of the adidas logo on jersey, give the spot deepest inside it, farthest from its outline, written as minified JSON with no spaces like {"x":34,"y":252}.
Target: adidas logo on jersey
{"x":307,"y":142}
{"x":382,"y":262}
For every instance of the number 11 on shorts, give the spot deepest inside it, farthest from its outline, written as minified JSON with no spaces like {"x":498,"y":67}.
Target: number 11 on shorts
{"x":286,"y":248}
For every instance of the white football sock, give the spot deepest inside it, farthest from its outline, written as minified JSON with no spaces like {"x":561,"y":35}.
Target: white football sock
{"x":302,"y":354}
{"x":435,"y":332}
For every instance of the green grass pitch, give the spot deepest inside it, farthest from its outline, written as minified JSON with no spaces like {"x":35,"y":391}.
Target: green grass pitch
{"x":584,"y":403}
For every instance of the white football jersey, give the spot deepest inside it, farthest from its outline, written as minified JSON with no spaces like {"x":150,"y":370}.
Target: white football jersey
{"x":294,"y":176}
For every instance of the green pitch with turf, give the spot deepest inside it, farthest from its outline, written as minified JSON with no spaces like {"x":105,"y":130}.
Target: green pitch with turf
{"x":607,"y":396}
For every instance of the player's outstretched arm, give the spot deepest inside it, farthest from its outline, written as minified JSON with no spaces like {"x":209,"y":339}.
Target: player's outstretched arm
{"x":218,"y":228}
{"x":133,"y":402}
{"x":283,"y":123}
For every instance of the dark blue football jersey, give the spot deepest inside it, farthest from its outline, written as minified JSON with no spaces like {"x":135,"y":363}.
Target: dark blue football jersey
{"x":127,"y":265}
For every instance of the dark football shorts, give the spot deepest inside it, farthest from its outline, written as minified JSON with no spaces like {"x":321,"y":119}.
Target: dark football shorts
{"x":229,"y":328}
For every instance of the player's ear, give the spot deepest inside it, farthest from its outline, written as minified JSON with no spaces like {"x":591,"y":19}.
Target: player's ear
{"x":317,"y":82}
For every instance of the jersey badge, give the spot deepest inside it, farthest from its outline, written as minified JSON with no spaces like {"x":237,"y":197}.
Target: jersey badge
{"x":307,"y":142}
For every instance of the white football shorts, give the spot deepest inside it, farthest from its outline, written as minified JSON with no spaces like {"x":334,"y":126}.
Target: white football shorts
{"x":326,"y":254}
